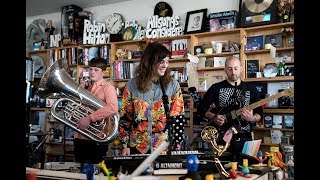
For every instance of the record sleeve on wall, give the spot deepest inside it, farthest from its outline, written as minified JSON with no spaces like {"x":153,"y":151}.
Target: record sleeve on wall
{"x":257,"y":12}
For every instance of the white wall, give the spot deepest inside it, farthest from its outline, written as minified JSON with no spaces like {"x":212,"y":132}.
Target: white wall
{"x":141,"y":10}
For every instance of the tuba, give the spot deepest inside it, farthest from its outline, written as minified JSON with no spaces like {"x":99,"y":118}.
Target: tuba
{"x":75,"y":103}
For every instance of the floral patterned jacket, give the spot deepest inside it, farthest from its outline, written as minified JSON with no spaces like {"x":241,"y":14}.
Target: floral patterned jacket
{"x":143,"y":117}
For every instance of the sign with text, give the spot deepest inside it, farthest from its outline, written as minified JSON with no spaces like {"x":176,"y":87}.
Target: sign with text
{"x":158,"y":27}
{"x":252,"y":67}
{"x":92,"y":33}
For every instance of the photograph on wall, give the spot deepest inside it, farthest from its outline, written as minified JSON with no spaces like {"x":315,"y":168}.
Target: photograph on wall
{"x":195,"y":21}
{"x":274,"y":39}
{"x":254,"y":43}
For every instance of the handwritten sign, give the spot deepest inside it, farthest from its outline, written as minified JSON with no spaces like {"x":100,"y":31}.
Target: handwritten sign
{"x":252,"y":67}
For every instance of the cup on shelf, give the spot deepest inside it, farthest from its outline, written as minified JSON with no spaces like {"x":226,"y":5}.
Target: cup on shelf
{"x":218,"y":47}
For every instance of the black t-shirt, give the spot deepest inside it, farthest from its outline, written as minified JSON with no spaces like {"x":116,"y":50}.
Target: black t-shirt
{"x":226,"y":102}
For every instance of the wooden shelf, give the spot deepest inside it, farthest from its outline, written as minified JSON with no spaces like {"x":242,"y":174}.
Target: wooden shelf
{"x":270,"y":79}
{"x":268,"y":50}
{"x":278,"y":111}
{"x":223,"y":54}
{"x":179,"y":60}
{"x":210,"y":69}
{"x":268,"y":144}
{"x":217,"y":33}
{"x":92,"y":45}
{"x":268,"y":129}
{"x":128,"y":60}
{"x":38,"y":51}
{"x":39,"y":109}
{"x":269,"y":27}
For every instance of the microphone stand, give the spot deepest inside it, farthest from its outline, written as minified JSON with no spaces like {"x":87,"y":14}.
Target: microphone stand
{"x":42,"y":141}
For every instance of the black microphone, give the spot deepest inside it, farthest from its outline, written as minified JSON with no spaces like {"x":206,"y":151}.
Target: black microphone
{"x":37,"y":71}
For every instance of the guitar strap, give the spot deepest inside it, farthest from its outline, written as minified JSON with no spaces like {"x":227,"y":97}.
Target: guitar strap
{"x":175,"y":132}
{"x":243,"y":90}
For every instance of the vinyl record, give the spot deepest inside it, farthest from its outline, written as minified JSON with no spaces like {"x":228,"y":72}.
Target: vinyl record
{"x":255,"y":7}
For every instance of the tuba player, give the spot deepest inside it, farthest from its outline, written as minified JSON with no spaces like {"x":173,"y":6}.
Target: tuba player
{"x":86,"y":150}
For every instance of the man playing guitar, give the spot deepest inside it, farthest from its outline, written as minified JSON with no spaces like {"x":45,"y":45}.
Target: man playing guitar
{"x":231,"y":95}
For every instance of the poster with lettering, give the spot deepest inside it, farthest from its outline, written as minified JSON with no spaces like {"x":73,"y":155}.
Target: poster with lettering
{"x":179,"y":48}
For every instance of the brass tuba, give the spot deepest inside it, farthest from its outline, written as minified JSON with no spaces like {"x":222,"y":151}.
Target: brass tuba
{"x":75,"y":103}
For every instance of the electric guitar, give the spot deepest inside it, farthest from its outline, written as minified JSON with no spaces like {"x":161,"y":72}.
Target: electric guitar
{"x":232,"y":114}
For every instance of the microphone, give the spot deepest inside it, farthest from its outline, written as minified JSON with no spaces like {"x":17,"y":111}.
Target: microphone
{"x":37,"y":71}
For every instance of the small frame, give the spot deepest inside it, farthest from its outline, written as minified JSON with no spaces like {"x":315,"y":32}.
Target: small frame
{"x":274,"y":39}
{"x":198,"y":50}
{"x":252,"y":67}
{"x":195,"y":21}
{"x":254,"y":43}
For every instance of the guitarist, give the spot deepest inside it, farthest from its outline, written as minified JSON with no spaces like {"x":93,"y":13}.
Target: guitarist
{"x":230,"y":95}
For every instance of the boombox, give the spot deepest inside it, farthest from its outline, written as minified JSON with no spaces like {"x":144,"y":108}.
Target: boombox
{"x":257,"y":12}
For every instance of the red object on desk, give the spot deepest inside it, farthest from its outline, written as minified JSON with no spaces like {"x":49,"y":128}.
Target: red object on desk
{"x":31,"y":176}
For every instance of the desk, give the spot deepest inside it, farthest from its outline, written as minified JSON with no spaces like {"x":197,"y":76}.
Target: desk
{"x":59,"y":175}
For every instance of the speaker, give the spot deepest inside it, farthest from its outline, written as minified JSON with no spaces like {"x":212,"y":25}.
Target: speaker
{"x":257,"y":12}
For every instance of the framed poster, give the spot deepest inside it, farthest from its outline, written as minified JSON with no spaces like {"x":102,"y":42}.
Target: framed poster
{"x":195,"y":21}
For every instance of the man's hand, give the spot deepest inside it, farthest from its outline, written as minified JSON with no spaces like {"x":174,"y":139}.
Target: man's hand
{"x":84,"y":122}
{"x":248,"y":115}
{"x":219,"y":119}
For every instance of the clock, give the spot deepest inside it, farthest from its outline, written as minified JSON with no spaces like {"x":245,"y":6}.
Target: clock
{"x":114,"y":23}
{"x":162,"y":9}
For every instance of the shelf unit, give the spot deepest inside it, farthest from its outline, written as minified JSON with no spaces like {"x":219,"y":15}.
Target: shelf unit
{"x":212,"y":74}
{"x":265,"y":57}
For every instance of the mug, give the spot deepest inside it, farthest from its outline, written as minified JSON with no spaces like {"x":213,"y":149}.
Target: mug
{"x":208,"y":51}
{"x":218,"y":47}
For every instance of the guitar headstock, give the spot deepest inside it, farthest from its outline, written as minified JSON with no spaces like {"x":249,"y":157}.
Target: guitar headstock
{"x":288,"y":92}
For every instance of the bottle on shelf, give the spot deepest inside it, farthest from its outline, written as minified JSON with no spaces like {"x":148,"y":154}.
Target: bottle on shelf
{"x":281,"y":68}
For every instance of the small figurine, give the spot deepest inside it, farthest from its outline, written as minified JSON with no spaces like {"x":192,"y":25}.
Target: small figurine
{"x":49,"y":30}
{"x":233,"y":170}
{"x":271,"y":160}
{"x":88,"y":169}
{"x":245,"y":168}
{"x":260,"y":158}
{"x":106,"y":171}
{"x":192,"y":163}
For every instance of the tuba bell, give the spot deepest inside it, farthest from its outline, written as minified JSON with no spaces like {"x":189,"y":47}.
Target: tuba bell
{"x":75,"y":103}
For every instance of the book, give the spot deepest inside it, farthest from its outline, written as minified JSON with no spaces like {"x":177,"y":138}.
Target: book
{"x":179,"y":48}
{"x":251,"y":148}
{"x":202,"y":81}
{"x":219,"y":61}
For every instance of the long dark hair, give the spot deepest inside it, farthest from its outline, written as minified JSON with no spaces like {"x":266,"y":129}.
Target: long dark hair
{"x":153,"y":54}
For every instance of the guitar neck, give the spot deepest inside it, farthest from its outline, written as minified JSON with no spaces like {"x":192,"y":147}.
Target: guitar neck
{"x":260,"y":103}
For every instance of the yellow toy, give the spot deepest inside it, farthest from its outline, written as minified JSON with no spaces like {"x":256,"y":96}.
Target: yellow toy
{"x":106,"y":171}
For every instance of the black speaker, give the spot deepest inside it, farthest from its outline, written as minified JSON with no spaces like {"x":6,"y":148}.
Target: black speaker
{"x":257,"y":12}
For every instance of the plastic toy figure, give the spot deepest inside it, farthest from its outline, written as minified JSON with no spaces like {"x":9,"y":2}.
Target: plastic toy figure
{"x":271,"y":160}
{"x":192,"y":163}
{"x":233,"y":170}
{"x":245,"y":169}
{"x":88,"y":169}
{"x":260,"y":158}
